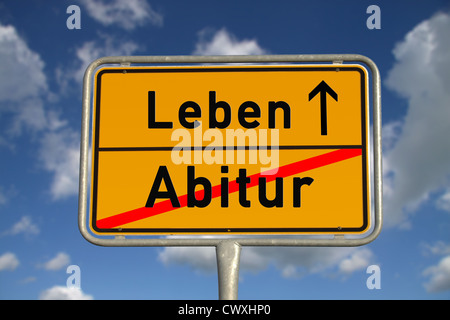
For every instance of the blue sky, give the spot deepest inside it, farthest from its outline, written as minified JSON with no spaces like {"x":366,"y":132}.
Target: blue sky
{"x":41,"y":68}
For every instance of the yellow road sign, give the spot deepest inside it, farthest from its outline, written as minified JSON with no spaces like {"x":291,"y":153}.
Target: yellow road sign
{"x":230,"y":149}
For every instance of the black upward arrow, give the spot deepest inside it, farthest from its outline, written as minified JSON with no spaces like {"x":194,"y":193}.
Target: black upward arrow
{"x":323,"y":88}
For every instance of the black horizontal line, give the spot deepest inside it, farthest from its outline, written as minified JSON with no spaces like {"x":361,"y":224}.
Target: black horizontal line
{"x":231,"y":230}
{"x":306,"y":147}
{"x":211,"y":69}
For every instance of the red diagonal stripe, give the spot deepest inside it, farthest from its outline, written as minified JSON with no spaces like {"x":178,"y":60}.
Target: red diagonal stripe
{"x":233,"y":186}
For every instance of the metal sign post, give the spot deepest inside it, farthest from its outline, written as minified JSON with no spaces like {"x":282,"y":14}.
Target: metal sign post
{"x":228,"y":254}
{"x":148,"y":178}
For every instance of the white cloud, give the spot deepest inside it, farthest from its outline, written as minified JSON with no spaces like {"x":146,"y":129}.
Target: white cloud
{"x":64,"y":293}
{"x":296,"y":262}
{"x":105,"y":45}
{"x":438,"y":248}
{"x":26,"y":226}
{"x":127,"y":14}
{"x":28,"y":280}
{"x":199,"y":258}
{"x":21,"y":69}
{"x":439,"y":276}
{"x":443,"y":201}
{"x":23,"y":92}
{"x":390,"y":133}
{"x":22,"y":82}
{"x":8,"y":261}
{"x":30,"y":115}
{"x":419,"y":158}
{"x":24,"y":96}
{"x":58,"y":262}
{"x":291,"y":262}
{"x":60,"y":155}
{"x":224,"y":43}
{"x":357,"y":261}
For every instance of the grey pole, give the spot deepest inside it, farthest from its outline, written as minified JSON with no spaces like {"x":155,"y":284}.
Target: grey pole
{"x":228,"y":254}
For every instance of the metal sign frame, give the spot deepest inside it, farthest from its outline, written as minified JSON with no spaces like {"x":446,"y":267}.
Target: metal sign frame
{"x":234,"y":241}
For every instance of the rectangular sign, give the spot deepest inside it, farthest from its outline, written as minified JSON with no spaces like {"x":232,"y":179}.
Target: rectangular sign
{"x":230,"y":150}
